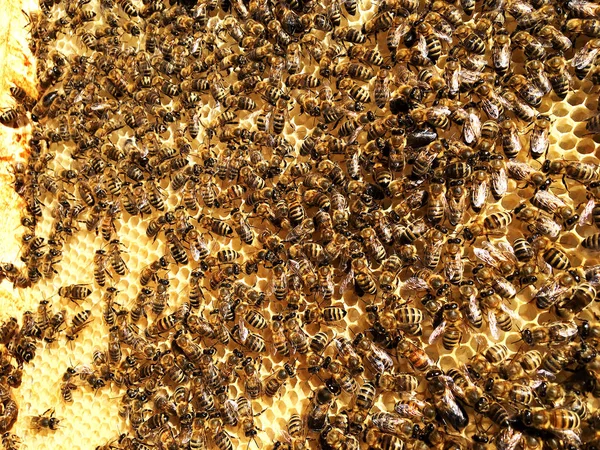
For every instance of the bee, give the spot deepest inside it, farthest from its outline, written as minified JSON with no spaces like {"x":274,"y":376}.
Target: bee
{"x":553,"y":289}
{"x":470,"y":40}
{"x":559,"y":76}
{"x":45,"y":420}
{"x":553,"y":333}
{"x":75,"y":292}
{"x":296,"y":336}
{"x":537,"y":74}
{"x":584,"y":58}
{"x":490,"y":101}
{"x":78,"y":323}
{"x":215,"y":225}
{"x":511,"y":143}
{"x":559,"y":41}
{"x":381,"y":90}
{"x":381,"y":21}
{"x":316,"y":418}
{"x":588,"y":27}
{"x":444,"y":401}
{"x":275,"y":382}
{"x":581,"y":297}
{"x":351,"y":35}
{"x":456,"y":197}
{"x":353,"y":90}
{"x":303,"y":81}
{"x":449,"y":328}
{"x":532,"y":47}
{"x":559,"y":419}
{"x":116,"y":260}
{"x":526,"y":90}
{"x":109,"y":311}
{"x":499,"y":315}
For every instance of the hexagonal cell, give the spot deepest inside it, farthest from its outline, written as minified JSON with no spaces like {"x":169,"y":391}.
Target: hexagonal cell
{"x":563,"y":125}
{"x":576,"y":98}
{"x":579,"y":114}
{"x":567,"y":142}
{"x":586,"y":146}
{"x":560,"y":110}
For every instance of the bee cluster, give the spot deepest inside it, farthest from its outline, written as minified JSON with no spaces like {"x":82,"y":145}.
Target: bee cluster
{"x":361,"y":159}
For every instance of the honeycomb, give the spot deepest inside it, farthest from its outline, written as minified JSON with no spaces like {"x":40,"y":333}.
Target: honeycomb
{"x":92,"y":418}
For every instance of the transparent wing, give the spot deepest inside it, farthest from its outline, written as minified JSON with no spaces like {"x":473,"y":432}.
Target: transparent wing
{"x":586,"y":215}
{"x":493,"y":323}
{"x":435,"y":335}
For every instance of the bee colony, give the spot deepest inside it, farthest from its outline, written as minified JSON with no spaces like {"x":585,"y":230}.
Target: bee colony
{"x":338,"y":225}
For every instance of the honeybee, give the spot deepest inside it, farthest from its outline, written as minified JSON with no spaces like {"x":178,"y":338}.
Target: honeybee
{"x":559,"y":419}
{"x":588,"y":27}
{"x":584,"y":58}
{"x":456,"y":197}
{"x":75,"y":292}
{"x":449,"y":328}
{"x":316,"y":417}
{"x":501,"y":53}
{"x":490,"y":101}
{"x":351,"y":35}
{"x":45,"y":420}
{"x":556,"y":68}
{"x":444,"y":401}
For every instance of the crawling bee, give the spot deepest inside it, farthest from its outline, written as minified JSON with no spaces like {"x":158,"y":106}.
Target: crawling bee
{"x":75,"y":292}
{"x":45,"y":420}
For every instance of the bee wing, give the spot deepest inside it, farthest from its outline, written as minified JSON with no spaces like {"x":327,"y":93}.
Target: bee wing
{"x":450,"y":402}
{"x":493,"y":323}
{"x":519,"y":170}
{"x":552,"y":289}
{"x":543,"y":265}
{"x":479,"y":194}
{"x":500,"y":181}
{"x":437,"y":332}
{"x":443,"y":36}
{"x":472,"y":128}
{"x":509,"y":311}
{"x":384,"y":360}
{"x":468,"y":76}
{"x":295,"y":233}
{"x":195,"y":251}
{"x":456,"y":206}
{"x":508,"y":439}
{"x":385,"y":423}
{"x":346,"y":281}
{"x":407,"y":410}
{"x":473,"y":306}
{"x":494,"y":252}
{"x":354,"y":135}
{"x":485,"y":256}
{"x":490,"y":108}
{"x":549,"y":227}
{"x":452,"y":80}
{"x":538,"y":142}
{"x":546,"y":374}
{"x":286,"y":437}
{"x":566,"y":330}
{"x":586,"y":214}
{"x":242,"y":331}
{"x":231,"y":407}
{"x":592,"y":274}
{"x":508,"y":251}
{"x":570,"y":436}
{"x":422,"y":46}
{"x":550,"y":201}
{"x":416,"y":284}
{"x":584,"y":56}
